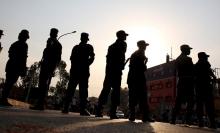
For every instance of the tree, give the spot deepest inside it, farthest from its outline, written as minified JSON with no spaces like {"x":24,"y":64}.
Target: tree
{"x":63,"y":77}
{"x":32,"y":77}
{"x":124,"y":101}
{"x":30,"y":81}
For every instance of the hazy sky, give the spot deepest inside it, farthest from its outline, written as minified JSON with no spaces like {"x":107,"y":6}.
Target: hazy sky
{"x":162,"y":23}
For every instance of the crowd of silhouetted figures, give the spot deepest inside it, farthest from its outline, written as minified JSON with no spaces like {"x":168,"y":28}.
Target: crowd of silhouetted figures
{"x":194,"y":85}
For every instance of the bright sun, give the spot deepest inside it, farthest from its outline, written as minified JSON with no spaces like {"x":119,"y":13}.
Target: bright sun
{"x":156,"y":51}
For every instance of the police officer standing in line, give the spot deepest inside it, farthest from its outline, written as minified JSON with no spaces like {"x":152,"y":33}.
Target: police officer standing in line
{"x":185,"y":85}
{"x":114,"y":65}
{"x":81,"y":58}
{"x":204,"y":89}
{"x":1,"y":33}
{"x":16,"y":65}
{"x":137,"y":83}
{"x":50,"y":60}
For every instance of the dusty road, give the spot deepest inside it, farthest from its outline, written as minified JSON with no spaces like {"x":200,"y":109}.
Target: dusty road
{"x":17,"y":120}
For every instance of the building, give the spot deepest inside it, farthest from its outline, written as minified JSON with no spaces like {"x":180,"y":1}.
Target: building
{"x":161,"y":85}
{"x":161,"y":82}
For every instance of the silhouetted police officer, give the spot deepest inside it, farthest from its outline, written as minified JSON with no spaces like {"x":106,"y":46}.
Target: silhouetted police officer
{"x":137,"y":83}
{"x":1,"y":33}
{"x":50,"y":60}
{"x":204,"y":89}
{"x":185,"y":85}
{"x":114,"y":66}
{"x":81,"y":58}
{"x":16,"y":65}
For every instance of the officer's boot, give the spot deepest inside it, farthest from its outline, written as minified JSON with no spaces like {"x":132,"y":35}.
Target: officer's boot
{"x":201,"y":122}
{"x":65,"y":109}
{"x":39,"y":105}
{"x":132,"y":114}
{"x":98,"y":110}
{"x":146,"y":118}
{"x":3,"y":99}
{"x":4,"y":102}
{"x":83,"y":110}
{"x":212,"y":122}
{"x":173,"y":117}
{"x":113,"y":112}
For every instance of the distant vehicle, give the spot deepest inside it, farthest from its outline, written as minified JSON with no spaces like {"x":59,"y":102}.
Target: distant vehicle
{"x":120,"y":114}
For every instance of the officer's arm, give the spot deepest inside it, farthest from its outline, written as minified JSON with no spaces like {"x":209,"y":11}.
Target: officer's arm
{"x":11,"y":52}
{"x":59,"y":55}
{"x":109,"y":54}
{"x":73,"y":52}
{"x":0,"y":47}
{"x":46,"y":50}
{"x":44,"y":54}
{"x":146,"y":60}
{"x":212,"y":74}
{"x":92,"y":56}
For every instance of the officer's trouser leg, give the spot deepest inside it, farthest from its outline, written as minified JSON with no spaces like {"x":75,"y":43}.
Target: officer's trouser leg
{"x":83,"y":92}
{"x":115,"y":96}
{"x":11,"y":79}
{"x":44,"y":83}
{"x":115,"y":100}
{"x":200,"y":110}
{"x":71,"y":88}
{"x":176,"y":108}
{"x":103,"y":97}
{"x":144,"y":107}
{"x":210,"y":109}
{"x":132,"y":101}
{"x":190,"y":105}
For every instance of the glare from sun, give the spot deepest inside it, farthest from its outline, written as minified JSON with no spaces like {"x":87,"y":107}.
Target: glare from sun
{"x":156,"y":51}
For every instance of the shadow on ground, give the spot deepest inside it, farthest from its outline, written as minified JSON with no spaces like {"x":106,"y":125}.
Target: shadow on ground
{"x":16,"y":120}
{"x":28,"y":121}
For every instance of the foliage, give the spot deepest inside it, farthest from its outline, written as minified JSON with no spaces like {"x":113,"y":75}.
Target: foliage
{"x":31,"y":80}
{"x":58,"y":92}
{"x":17,"y":91}
{"x":63,"y":77}
{"x":124,"y":101}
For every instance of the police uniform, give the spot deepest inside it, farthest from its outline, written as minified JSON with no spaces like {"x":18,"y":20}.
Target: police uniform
{"x":16,"y":65}
{"x":1,"y":33}
{"x":185,"y":85}
{"x":51,"y":58}
{"x":137,"y":84}
{"x":115,"y":60}
{"x":81,"y":58}
{"x":204,"y":89}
